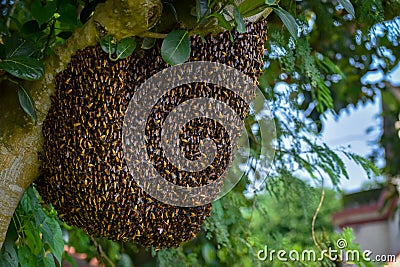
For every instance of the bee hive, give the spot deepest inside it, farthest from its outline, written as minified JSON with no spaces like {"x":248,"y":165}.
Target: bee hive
{"x":85,"y":176}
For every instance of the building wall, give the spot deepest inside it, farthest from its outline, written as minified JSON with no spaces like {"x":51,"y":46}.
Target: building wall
{"x":394,"y":233}
{"x":382,"y":238}
{"x":374,"y":236}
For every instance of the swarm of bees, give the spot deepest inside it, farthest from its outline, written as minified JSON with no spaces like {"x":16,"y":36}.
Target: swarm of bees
{"x":84,"y":174}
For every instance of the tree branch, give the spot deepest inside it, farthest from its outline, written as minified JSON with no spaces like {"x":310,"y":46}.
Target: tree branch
{"x":20,"y":139}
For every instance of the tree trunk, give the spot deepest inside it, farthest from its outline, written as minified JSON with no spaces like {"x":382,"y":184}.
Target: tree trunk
{"x":20,"y":139}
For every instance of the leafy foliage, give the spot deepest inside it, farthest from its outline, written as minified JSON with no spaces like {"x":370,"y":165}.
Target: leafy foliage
{"x":122,"y":49}
{"x":26,"y":102}
{"x":317,"y":52}
{"x":234,"y":238}
{"x":34,"y":237}
{"x":288,"y":20}
{"x":29,"y":32}
{"x":348,"y":236}
{"x":23,"y":67}
{"x":175,"y":48}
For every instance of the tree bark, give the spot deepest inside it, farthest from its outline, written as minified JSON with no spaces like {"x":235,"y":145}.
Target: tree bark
{"x":20,"y":139}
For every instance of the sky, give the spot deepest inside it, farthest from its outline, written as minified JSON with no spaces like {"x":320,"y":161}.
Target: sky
{"x":350,"y":130}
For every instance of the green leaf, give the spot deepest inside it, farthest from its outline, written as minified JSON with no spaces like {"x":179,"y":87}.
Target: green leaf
{"x":126,"y":47}
{"x":114,"y":250}
{"x":67,"y":14}
{"x":209,"y":253}
{"x":52,"y":235}
{"x":33,"y":235}
{"x":16,"y":46}
{"x":25,"y":204}
{"x":39,"y":216}
{"x":30,"y":192}
{"x":48,"y":260}
{"x":79,"y":239}
{"x":323,"y":95}
{"x":65,"y":35}
{"x":26,"y":103}
{"x":348,"y":6}
{"x":43,"y":13}
{"x":30,"y":27}
{"x":3,"y":261}
{"x":287,"y":20}
{"x":248,"y":6}
{"x":328,"y":65}
{"x":26,"y":257}
{"x":71,"y":260}
{"x":175,"y":48}
{"x":201,"y":8}
{"x":88,"y":10}
{"x":8,"y":255}
{"x":108,"y":44}
{"x":263,"y":81}
{"x":172,"y":9}
{"x":23,"y":67}
{"x":148,"y":43}
{"x":369,"y":167}
{"x":36,"y":208}
{"x":125,"y":261}
{"x":222,"y":21}
{"x":240,"y":25}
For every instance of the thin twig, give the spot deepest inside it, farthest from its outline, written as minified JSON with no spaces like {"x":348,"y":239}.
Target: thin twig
{"x":19,"y":226}
{"x":102,"y":255}
{"x":315,"y":218}
{"x":313,"y":224}
{"x":154,"y":35}
{"x":204,"y":16}
{"x":52,"y":26}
